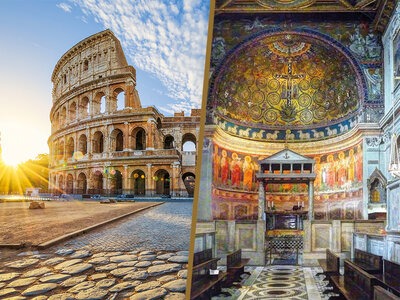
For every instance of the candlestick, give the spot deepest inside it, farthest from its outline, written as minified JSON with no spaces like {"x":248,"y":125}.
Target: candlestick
{"x":302,"y":205}
{"x":272,"y":203}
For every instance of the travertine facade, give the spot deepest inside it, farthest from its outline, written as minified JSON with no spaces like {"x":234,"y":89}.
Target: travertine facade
{"x":103,"y":141}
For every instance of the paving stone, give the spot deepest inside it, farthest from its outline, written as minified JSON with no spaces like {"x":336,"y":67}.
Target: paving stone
{"x":108,"y":254}
{"x":67,"y":263}
{"x":165,"y":256}
{"x":179,"y":259}
{"x":81,"y":254}
{"x":162,"y":269}
{"x":76,"y":269}
{"x":54,"y":278}
{"x":123,"y":258}
{"x":27,"y":253}
{"x":166,"y":278}
{"x":92,"y":294}
{"x":136,"y":275}
{"x":2,"y":284}
{"x":108,"y":267}
{"x":143,"y":264}
{"x":99,"y":260}
{"x":8,"y":276}
{"x":127,"y":264}
{"x":21,"y":282}
{"x":37,"y":272}
{"x":147,"y":257}
{"x":124,"y":286}
{"x":39,"y":289}
{"x":100,"y":254}
{"x":61,"y":297}
{"x":64,"y":251}
{"x":151,"y":285}
{"x":178,"y":285}
{"x":73,"y":281}
{"x":53,"y":261}
{"x":20,"y":298}
{"x":158,"y":262}
{"x":39,"y":298}
{"x":183,"y":253}
{"x":7,"y":292}
{"x":98,"y":276}
{"x":120,"y":272}
{"x":175,"y":296}
{"x":133,"y":252}
{"x":105,"y":283}
{"x":23,"y":263}
{"x":146,"y":252}
{"x":81,"y":286}
{"x":150,"y":295}
{"x":40,"y":256}
{"x":182,"y":274}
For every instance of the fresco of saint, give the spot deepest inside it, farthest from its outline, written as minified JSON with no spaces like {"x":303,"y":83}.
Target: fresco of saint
{"x":235,"y":170}
{"x":216,"y":162}
{"x":224,"y":168}
{"x":247,"y":173}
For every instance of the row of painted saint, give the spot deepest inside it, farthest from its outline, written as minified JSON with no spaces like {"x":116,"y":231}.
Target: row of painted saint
{"x":338,"y":171}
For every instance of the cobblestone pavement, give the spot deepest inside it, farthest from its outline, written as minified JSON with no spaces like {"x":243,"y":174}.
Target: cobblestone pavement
{"x":139,"y":257}
{"x":164,"y":227}
{"x":81,"y":274}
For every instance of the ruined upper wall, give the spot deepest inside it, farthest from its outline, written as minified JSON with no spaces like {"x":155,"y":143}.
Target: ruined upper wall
{"x":94,"y":58}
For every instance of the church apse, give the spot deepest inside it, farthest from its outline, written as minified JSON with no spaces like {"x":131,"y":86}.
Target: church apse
{"x":338,"y":186}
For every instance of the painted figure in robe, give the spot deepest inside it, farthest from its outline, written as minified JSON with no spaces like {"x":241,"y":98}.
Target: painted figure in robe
{"x":317,"y":170}
{"x":330,"y":172}
{"x":351,"y":166}
{"x":235,"y":170}
{"x":341,"y":172}
{"x":359,"y":164}
{"x":224,"y":167}
{"x":247,"y":173}
{"x":216,"y":162}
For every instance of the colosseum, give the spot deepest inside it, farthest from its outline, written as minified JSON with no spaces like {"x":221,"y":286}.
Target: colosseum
{"x":103,"y":141}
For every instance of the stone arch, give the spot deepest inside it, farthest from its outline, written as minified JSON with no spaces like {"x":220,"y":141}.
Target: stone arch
{"x":82,"y":144}
{"x":116,"y":182}
{"x":70,"y":148}
{"x":163,"y":182}
{"x":84,"y":107}
{"x":138,"y":186}
{"x":97,"y":179}
{"x":377,"y":183}
{"x":63,"y":116}
{"x":189,"y":142}
{"x":69,"y":184}
{"x":169,"y":142}
{"x":72,"y":111}
{"x":189,"y":181}
{"x":159,"y":124}
{"x":99,"y":103}
{"x":117,"y":140}
{"x":61,"y":184}
{"x":82,"y":183}
{"x":119,"y":99}
{"x":98,"y":142}
{"x":139,"y":138}
{"x":57,"y":120}
{"x":61,"y":150}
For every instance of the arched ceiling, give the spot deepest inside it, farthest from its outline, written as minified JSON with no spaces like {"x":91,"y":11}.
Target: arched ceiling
{"x":288,"y":80}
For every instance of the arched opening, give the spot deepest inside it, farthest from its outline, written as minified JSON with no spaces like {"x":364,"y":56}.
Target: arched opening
{"x":63,"y":116}
{"x":139,"y":182}
{"x":84,"y":107}
{"x":61,"y":150}
{"x":169,"y":142}
{"x":117,"y":140}
{"x":85,"y":65}
{"x":98,"y":183}
{"x":61,"y":184}
{"x":189,"y":181}
{"x":139,"y":138}
{"x":57,"y":120}
{"x":162,"y":182}
{"x":189,"y":142}
{"x":70,"y":147}
{"x":82,"y":184}
{"x":119,"y":96}
{"x":70,"y":184}
{"x":103,"y":106}
{"x":82,"y":144}
{"x":116,"y":182}
{"x":72,"y":112}
{"x":98,"y":142}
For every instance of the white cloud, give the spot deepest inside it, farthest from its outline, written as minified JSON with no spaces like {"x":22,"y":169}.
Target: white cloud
{"x":165,"y":38}
{"x":65,"y":7}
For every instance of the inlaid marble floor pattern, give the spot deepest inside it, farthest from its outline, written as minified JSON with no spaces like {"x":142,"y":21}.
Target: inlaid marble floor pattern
{"x":277,"y":282}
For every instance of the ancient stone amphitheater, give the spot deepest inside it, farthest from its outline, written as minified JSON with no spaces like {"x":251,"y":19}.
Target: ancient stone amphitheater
{"x":102,"y":140}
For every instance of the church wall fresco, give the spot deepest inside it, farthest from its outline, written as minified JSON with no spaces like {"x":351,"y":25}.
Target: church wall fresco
{"x":338,"y":186}
{"x":293,"y":80}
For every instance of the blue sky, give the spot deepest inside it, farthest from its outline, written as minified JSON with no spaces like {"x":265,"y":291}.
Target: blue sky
{"x":164,"y":40}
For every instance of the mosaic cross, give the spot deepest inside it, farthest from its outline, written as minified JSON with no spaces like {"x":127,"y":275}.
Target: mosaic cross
{"x":290,"y":81}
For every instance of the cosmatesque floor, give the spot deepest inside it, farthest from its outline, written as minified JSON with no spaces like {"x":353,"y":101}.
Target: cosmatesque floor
{"x":279,"y":282}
